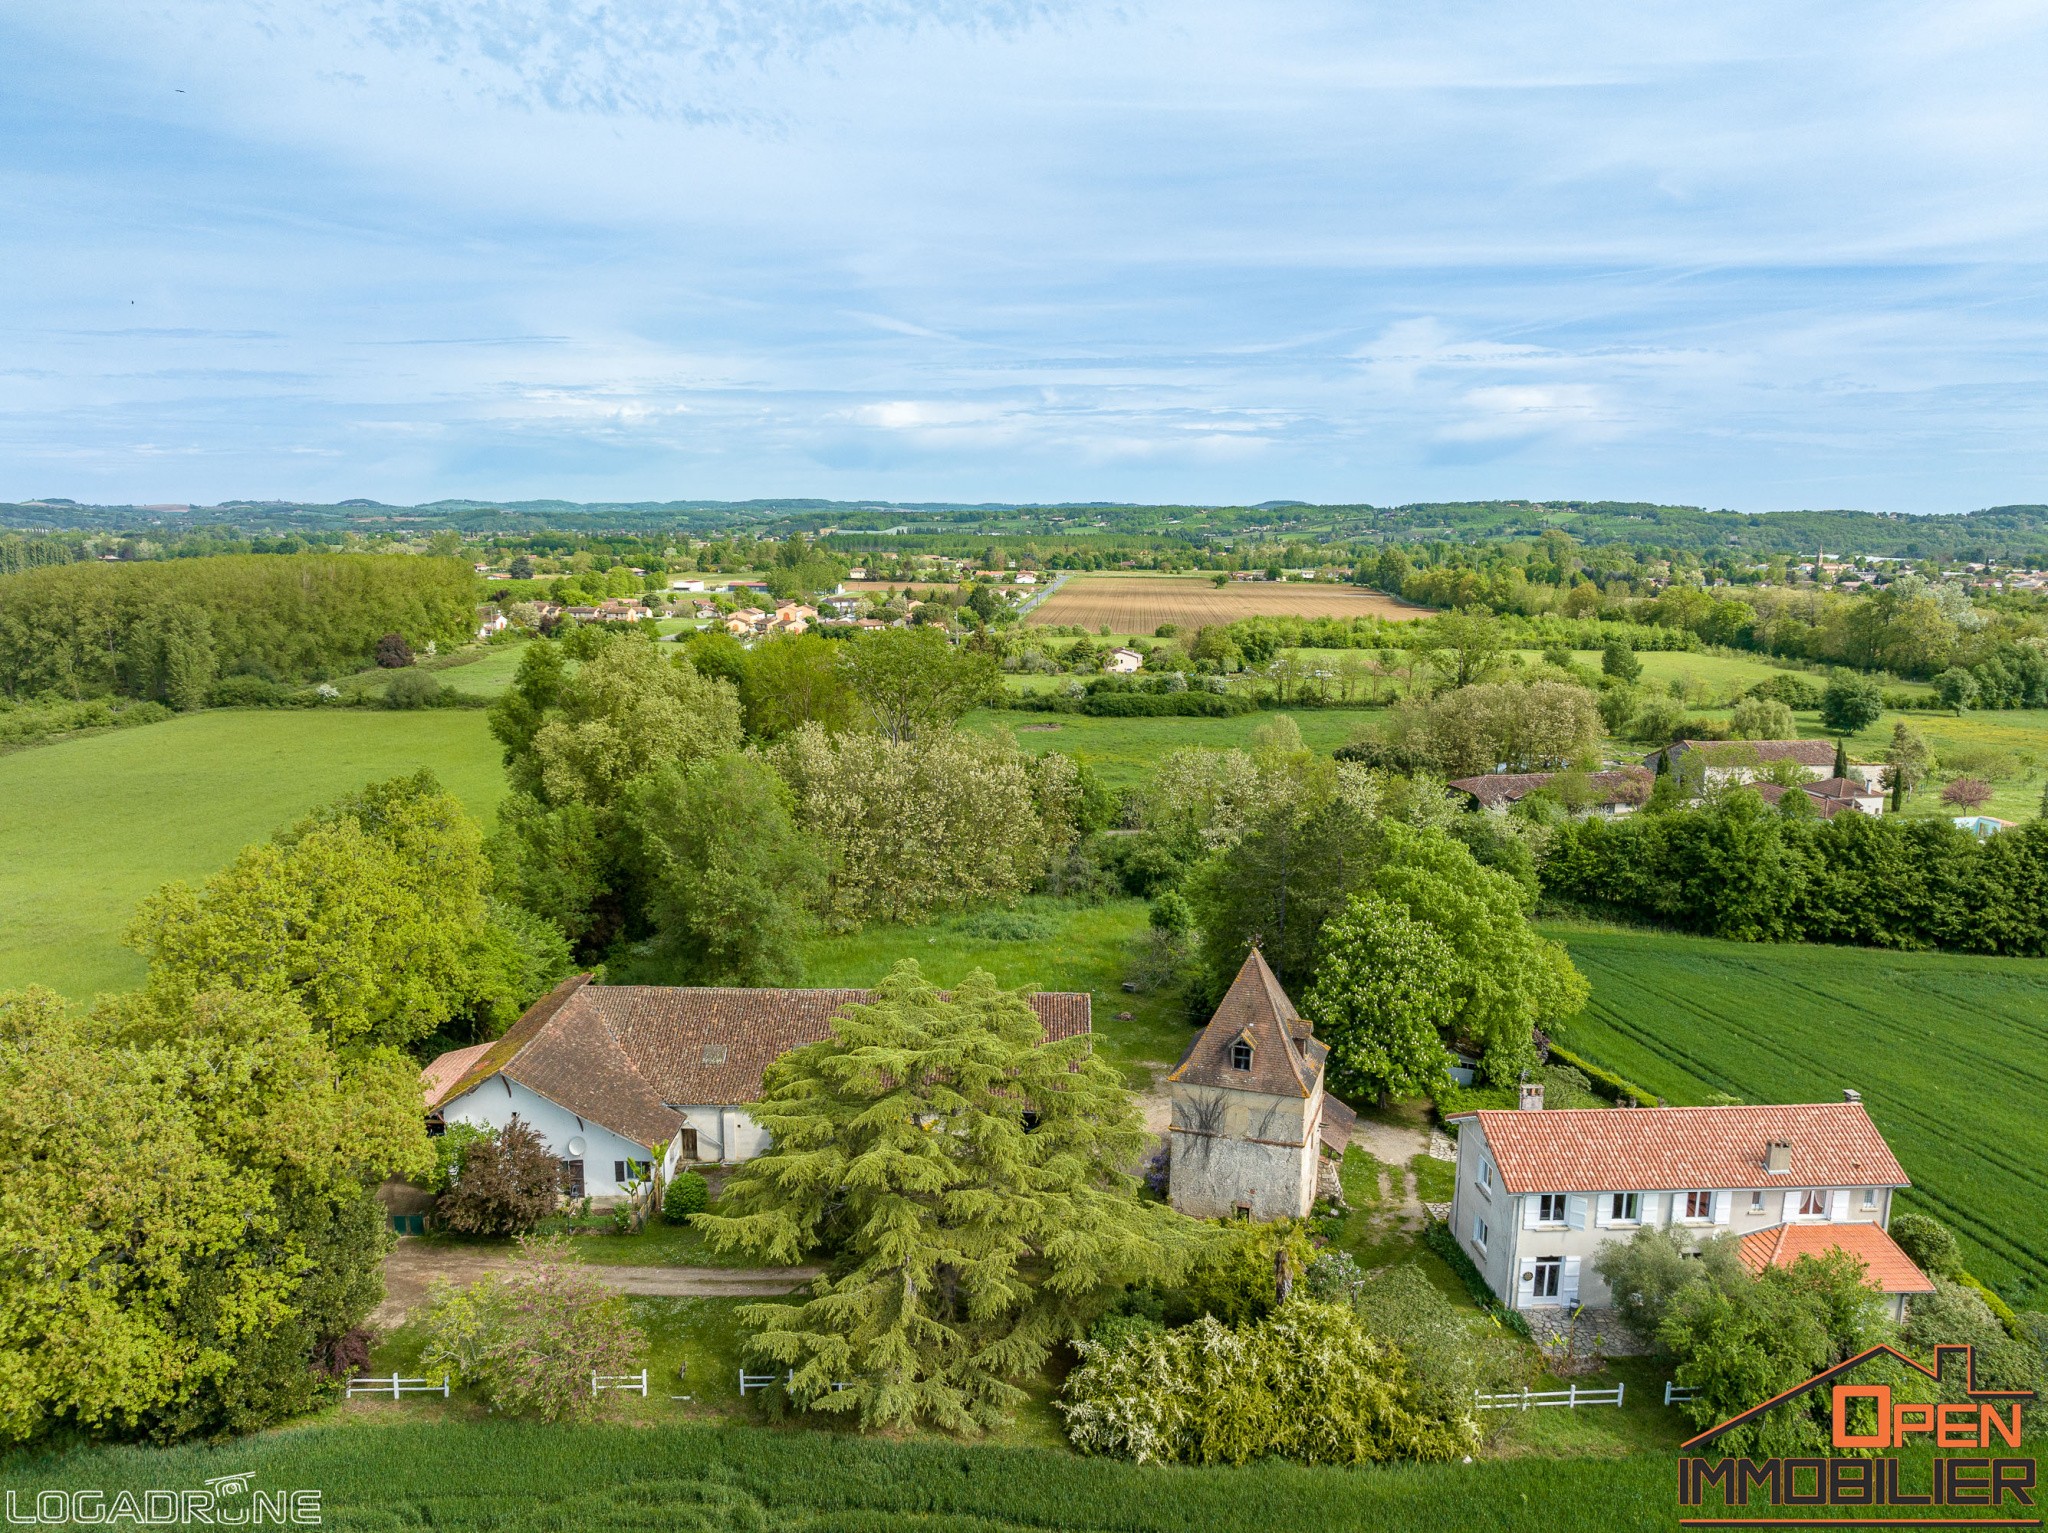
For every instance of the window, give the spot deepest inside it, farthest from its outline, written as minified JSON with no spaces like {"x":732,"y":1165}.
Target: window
{"x":1756,"y":1201}
{"x":1869,"y":1199}
{"x":572,"y":1178}
{"x":1240,"y":1055}
{"x":1486,"y":1174}
{"x":1550,"y":1208}
{"x":631,"y":1170}
{"x":1813,"y":1203}
{"x":1244,"y":1210}
{"x":1548,"y":1270}
{"x":1479,"y":1233}
{"x":1625,"y":1208}
{"x":1699,"y":1204}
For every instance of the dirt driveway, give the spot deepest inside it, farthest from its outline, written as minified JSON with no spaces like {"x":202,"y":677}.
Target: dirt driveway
{"x":414,"y":1264}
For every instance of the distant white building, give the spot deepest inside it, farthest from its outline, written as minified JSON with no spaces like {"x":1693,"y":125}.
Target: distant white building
{"x":686,"y":585}
{"x":1123,"y":661}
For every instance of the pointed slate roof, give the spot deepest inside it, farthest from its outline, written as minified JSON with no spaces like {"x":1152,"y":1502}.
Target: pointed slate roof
{"x":1287,"y":1059}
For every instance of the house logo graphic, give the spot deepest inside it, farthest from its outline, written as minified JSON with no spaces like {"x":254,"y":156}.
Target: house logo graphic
{"x":1870,"y":1424}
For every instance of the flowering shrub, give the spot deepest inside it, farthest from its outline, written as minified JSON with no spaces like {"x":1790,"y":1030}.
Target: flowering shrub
{"x":1308,"y":1383}
{"x":530,"y":1336}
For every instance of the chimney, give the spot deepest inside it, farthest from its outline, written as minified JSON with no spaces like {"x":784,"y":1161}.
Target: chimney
{"x":1532,"y":1096}
{"x":1851,"y":1094}
{"x":1778,"y":1158}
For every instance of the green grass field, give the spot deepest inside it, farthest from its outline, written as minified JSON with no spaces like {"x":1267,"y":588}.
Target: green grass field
{"x":91,"y":824}
{"x":1950,"y":1053}
{"x":1123,"y":752}
{"x":1062,"y":947}
{"x":510,"y":1478}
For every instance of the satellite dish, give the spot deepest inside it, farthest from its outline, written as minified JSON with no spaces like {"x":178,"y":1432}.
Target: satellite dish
{"x":577,"y":1147}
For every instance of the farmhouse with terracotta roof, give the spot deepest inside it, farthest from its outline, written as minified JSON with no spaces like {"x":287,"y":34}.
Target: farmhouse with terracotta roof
{"x":619,"y":1078}
{"x":1540,"y":1192}
{"x":1726,"y":761}
{"x":1610,"y":794}
{"x":1250,"y":1118}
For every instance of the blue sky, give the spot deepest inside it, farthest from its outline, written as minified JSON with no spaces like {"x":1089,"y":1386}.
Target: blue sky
{"x":1743,"y":255}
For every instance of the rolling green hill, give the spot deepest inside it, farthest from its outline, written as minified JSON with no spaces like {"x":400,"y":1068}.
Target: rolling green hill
{"x":1950,"y":1053}
{"x":91,"y":824}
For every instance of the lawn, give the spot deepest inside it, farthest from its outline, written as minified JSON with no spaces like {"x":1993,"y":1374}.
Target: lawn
{"x":91,"y":824}
{"x":406,"y":1465}
{"x":1123,"y":752}
{"x":1053,"y":944}
{"x":1950,"y":1053}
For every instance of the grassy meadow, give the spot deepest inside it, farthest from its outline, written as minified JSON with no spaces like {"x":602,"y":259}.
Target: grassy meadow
{"x":387,"y":1468}
{"x":1053,"y":944}
{"x":92,"y":823}
{"x":1950,"y":1053}
{"x":1124,"y":752}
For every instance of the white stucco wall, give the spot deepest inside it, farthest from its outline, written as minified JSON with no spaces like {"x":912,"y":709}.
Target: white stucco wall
{"x":497,"y":1101}
{"x":1516,"y":1240}
{"x":725,"y":1133}
{"x":1236,"y":1147}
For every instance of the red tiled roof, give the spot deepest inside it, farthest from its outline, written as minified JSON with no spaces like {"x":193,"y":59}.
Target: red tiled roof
{"x":1286,"y":1059}
{"x":620,"y":1054}
{"x":1813,"y":753}
{"x":1622,"y":785}
{"x":1651,"y":1149}
{"x":448,"y":1068}
{"x":1886,"y":1267}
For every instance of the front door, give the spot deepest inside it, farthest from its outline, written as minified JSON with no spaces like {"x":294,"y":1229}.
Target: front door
{"x":572,"y":1179}
{"x":1549,"y":1270}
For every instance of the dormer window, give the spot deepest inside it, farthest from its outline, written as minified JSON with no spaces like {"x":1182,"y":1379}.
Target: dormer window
{"x":1241,"y":1055}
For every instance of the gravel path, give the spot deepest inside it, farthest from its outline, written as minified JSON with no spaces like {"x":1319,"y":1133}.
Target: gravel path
{"x":412,"y":1267}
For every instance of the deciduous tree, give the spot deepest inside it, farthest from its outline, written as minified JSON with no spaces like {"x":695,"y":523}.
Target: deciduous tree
{"x":1382,"y":999}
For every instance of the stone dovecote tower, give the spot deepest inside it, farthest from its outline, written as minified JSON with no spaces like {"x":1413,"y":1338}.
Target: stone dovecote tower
{"x":1249,"y":1113}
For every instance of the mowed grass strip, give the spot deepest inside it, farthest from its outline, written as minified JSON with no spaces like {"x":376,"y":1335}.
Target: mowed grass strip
{"x":511,"y":1478}
{"x":1950,"y":1053}
{"x":1137,"y":604}
{"x":92,"y":824}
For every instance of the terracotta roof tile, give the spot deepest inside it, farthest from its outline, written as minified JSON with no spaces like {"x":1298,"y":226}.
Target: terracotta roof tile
{"x":1650,"y":1149}
{"x":1493,"y":790}
{"x":1886,"y":1267}
{"x":1813,"y":753}
{"x":620,"y":1055}
{"x":1286,"y":1060}
{"x":449,"y":1068}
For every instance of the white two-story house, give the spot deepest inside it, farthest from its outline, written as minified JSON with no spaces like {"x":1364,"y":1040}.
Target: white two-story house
{"x":1539,"y":1192}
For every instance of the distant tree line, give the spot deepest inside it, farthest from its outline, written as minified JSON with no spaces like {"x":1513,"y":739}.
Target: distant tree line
{"x":166,"y":630}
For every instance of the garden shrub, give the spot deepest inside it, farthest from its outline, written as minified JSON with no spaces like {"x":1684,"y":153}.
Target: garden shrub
{"x":1309,"y":1383}
{"x":246,"y":692}
{"x":1930,"y":1243}
{"x":505,"y":1183}
{"x":529,"y":1337}
{"x":688,"y":1193}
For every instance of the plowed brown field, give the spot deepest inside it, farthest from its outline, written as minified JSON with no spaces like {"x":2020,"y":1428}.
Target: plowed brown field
{"x":1140,"y":603}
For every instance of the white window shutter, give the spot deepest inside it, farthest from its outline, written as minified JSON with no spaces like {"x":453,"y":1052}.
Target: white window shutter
{"x":1532,"y":1209}
{"x":1603,"y":1210}
{"x":1568,"y":1281}
{"x":1838,"y":1205}
{"x":1653,"y":1208}
{"x":1575,"y":1210}
{"x":1724,"y":1204}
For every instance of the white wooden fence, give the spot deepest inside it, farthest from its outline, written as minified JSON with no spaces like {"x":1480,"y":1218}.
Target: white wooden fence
{"x":1530,"y":1400}
{"x":767,"y":1380}
{"x":629,"y":1383}
{"x":396,"y":1386}
{"x":1674,"y":1392}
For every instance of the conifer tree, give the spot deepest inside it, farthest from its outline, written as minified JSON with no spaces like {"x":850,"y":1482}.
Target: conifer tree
{"x":971,"y":1180}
